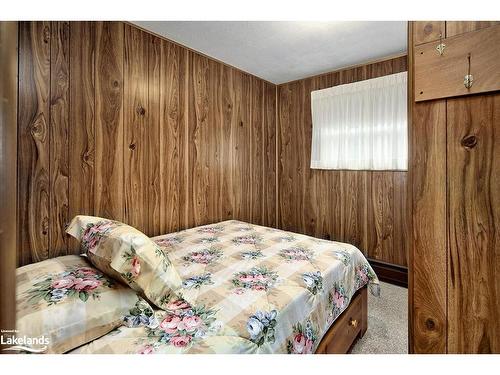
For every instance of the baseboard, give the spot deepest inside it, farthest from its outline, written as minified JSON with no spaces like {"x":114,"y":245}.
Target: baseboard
{"x":390,"y":273}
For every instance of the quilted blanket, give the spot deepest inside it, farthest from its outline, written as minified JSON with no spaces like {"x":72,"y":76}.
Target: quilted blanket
{"x":246,"y":289}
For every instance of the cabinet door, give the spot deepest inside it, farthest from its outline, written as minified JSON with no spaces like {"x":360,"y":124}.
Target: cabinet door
{"x":473,"y":146}
{"x":442,"y":75}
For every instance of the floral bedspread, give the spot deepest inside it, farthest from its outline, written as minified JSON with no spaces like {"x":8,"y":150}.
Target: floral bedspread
{"x":252,"y":289}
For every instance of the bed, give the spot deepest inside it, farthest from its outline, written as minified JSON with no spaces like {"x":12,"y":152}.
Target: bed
{"x":253,"y":289}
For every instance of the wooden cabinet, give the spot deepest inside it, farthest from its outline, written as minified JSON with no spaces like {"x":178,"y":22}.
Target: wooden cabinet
{"x":455,"y":202}
{"x":442,"y":66}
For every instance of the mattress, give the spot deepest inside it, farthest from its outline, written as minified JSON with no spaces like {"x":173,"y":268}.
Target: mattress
{"x":252,"y":289}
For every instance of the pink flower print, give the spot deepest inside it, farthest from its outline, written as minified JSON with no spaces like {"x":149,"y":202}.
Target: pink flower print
{"x":205,"y":259}
{"x":92,"y":244}
{"x":308,"y":347}
{"x":178,"y":305}
{"x":304,"y":338}
{"x":148,"y":349}
{"x":338,"y":299}
{"x":86,"y":271}
{"x":170,"y":324}
{"x":87,"y":284}
{"x":181,"y":326}
{"x":191,"y":323}
{"x":201,"y":257}
{"x":362,"y":276}
{"x":165,"y":242}
{"x":260,"y":278}
{"x":299,"y":343}
{"x":180,"y":341}
{"x":246,"y":278}
{"x":64,"y":283}
{"x":136,"y":267}
{"x":239,"y":291}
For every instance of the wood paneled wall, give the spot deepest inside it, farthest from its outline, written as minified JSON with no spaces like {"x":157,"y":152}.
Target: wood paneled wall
{"x":455,"y":207}
{"x":119,"y":123}
{"x":365,"y":208}
{"x":8,"y":172}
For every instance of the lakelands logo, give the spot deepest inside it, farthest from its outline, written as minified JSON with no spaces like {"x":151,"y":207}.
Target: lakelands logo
{"x":24,"y":343}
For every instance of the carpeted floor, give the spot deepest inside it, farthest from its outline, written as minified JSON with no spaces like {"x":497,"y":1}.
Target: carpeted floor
{"x":387,"y":322}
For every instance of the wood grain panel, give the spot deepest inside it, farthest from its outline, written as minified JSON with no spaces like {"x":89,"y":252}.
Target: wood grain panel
{"x":34,"y":141}
{"x":409,"y":200}
{"x":269,"y":150}
{"x":215,"y":149}
{"x":285,"y":178}
{"x":388,"y":208}
{"x":59,"y":136}
{"x":227,"y":199}
{"x":109,"y":182}
{"x":399,"y":65}
{"x":171,"y":70}
{"x":198,"y":135}
{"x":9,"y":63}
{"x":241,"y":147}
{"x":184,"y":93}
{"x":350,"y":193}
{"x":256,"y":151}
{"x":351,"y":206}
{"x":376,"y":209}
{"x":135,"y":127}
{"x":474,"y":222}
{"x":81,"y":129}
{"x":443,"y":76}
{"x":429,"y":211}
{"x":427,"y":31}
{"x":122,"y":124}
{"x":213,"y":146}
{"x":400,"y":219}
{"x":154,"y":144}
{"x":460,"y":27}
{"x":454,"y":248}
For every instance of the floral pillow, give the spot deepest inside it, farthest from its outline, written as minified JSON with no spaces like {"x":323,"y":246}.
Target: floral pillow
{"x":64,"y":302}
{"x":128,"y":255}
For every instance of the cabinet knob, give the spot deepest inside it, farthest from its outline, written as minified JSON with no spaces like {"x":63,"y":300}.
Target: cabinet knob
{"x":353,"y":322}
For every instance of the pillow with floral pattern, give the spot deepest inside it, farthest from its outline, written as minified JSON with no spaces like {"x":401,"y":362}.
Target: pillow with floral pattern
{"x":128,"y":255}
{"x":64,"y":302}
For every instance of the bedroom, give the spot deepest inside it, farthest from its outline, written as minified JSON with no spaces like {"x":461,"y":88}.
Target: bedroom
{"x":233,"y":193}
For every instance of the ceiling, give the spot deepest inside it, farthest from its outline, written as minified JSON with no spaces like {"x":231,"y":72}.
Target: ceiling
{"x":283,"y":51}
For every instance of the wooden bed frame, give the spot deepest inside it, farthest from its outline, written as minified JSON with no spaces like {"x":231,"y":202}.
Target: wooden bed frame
{"x":348,"y":328}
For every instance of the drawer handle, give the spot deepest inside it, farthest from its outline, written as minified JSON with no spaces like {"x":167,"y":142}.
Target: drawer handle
{"x":353,"y":322}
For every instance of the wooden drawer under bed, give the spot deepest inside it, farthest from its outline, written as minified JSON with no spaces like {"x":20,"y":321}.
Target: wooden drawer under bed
{"x":349,"y":326}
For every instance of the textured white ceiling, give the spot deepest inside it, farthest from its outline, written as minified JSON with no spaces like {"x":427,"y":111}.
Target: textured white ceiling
{"x":284,"y":51}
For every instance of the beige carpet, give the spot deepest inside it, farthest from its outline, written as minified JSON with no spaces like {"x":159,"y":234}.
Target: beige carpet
{"x":387,"y":322}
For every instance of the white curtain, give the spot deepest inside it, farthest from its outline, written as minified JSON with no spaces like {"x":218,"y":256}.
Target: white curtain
{"x":362,"y":125}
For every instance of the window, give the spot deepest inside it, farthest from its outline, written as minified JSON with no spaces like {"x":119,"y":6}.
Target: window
{"x":361,"y":126}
